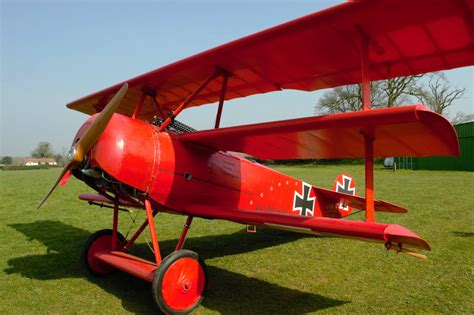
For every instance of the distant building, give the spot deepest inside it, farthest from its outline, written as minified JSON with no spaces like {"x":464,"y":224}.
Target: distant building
{"x":464,"y":162}
{"x":40,"y":161}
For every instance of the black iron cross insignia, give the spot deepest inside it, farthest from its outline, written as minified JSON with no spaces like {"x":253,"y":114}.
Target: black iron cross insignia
{"x":345,"y":188}
{"x":302,"y":202}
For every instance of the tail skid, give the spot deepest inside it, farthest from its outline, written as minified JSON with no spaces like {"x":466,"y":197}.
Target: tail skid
{"x":400,"y":249}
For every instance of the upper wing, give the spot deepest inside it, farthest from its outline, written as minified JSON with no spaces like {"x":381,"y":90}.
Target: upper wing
{"x":399,"y":131}
{"x":317,"y":51}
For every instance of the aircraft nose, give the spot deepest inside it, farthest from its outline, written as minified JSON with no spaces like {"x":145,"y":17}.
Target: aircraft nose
{"x":126,"y":151}
{"x":88,"y":138}
{"x":82,"y":130}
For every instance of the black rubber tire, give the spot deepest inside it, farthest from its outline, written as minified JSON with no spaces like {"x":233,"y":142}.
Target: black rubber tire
{"x":85,"y":250}
{"x":158,"y":279}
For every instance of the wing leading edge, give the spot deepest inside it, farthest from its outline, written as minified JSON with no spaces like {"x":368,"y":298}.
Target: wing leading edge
{"x":400,"y":131}
{"x":317,"y":51}
{"x":368,"y":231}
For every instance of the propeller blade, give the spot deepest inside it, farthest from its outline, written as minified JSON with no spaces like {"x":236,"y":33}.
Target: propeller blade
{"x":88,"y":139}
{"x":66,"y":169}
{"x":65,"y":178}
{"x":96,"y":129}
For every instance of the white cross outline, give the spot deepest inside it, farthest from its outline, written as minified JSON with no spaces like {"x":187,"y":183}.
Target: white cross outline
{"x":300,"y":209}
{"x":342,"y":205}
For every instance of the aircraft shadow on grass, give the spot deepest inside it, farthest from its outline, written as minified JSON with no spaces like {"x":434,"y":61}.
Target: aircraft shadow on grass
{"x":229,"y":293}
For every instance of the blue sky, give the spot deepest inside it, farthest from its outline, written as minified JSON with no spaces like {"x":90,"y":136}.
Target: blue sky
{"x":53,"y":52}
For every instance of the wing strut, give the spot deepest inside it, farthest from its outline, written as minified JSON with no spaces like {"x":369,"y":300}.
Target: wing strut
{"x":190,"y":98}
{"x":138,"y":106}
{"x":221,"y":100}
{"x":367,"y":133}
{"x":158,"y":107}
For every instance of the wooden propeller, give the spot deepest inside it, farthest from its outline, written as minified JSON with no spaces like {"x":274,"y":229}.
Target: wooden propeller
{"x":89,"y":138}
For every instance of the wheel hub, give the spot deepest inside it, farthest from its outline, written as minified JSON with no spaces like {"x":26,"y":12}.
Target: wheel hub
{"x":185,"y":285}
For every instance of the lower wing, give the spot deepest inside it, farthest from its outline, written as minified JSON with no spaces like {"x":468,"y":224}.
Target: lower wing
{"x":389,"y":234}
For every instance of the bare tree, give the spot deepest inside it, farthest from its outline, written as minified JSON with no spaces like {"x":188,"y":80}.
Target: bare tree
{"x":61,"y":158}
{"x":340,"y":99}
{"x":461,"y":117}
{"x":387,"y":93}
{"x":397,"y":91}
{"x":438,"y":94}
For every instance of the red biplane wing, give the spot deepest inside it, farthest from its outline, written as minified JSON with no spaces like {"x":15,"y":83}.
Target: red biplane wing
{"x":317,"y":51}
{"x":399,"y":131}
{"x":369,"y":231}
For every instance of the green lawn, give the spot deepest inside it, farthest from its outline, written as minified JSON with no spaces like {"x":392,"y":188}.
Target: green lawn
{"x":266,"y":272}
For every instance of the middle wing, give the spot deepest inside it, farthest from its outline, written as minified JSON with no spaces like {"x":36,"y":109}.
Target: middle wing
{"x":400,"y":131}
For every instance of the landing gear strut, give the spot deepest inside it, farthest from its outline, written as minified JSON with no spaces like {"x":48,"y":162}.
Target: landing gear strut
{"x":178,"y":281}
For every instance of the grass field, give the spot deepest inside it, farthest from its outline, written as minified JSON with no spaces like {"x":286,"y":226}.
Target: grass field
{"x":269,"y":272}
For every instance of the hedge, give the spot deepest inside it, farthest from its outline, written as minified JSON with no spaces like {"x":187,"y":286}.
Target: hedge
{"x":24,"y":167}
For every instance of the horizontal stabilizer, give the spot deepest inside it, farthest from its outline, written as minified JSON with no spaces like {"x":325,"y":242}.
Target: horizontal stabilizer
{"x":398,"y":131}
{"x":356,"y":201}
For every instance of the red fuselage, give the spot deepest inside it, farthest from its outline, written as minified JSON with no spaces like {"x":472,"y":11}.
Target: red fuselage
{"x":179,"y":176}
{"x":135,"y":162}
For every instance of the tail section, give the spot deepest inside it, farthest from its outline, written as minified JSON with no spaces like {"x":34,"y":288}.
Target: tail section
{"x":344,"y":184}
{"x":341,"y":201}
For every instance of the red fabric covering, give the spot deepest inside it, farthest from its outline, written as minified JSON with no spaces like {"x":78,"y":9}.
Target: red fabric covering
{"x":399,"y":131}
{"x":369,"y":231}
{"x":317,"y":51}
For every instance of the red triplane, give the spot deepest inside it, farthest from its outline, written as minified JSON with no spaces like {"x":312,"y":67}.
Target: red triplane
{"x":134,"y":153}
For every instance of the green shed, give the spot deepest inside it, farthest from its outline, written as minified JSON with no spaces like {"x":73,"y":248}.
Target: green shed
{"x":465,"y":162}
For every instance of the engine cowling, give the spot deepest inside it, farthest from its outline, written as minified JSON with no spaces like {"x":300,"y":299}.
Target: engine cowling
{"x":127,"y":151}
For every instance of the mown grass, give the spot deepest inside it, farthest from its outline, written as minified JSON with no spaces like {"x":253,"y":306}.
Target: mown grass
{"x":269,"y":272}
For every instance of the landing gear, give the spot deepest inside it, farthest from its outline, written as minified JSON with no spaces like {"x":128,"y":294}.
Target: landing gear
{"x":179,"y":282}
{"x":99,"y":243}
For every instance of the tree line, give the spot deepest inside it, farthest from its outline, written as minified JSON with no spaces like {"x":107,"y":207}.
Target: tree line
{"x":432,"y":90}
{"x":44,"y":149}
